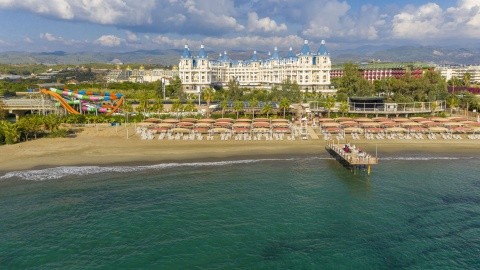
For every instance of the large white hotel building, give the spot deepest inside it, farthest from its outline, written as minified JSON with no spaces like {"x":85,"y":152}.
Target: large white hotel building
{"x":311,"y":70}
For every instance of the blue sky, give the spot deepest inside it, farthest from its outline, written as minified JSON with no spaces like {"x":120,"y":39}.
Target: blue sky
{"x":127,"y":25}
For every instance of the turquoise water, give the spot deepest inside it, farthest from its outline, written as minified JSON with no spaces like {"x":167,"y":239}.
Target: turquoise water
{"x":414,"y":212}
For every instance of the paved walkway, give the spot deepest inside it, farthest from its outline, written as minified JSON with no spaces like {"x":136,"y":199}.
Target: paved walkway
{"x":312,"y":133}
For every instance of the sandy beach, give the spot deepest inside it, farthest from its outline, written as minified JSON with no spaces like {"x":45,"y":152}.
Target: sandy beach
{"x":106,"y":145}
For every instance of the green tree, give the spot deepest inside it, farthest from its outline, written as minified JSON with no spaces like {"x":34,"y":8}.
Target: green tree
{"x":253,"y":105}
{"x":452,"y":103}
{"x":10,"y":132}
{"x":344,"y":107}
{"x":3,"y":111}
{"x":238,"y":106}
{"x":29,"y":125}
{"x":190,"y":106}
{"x":224,"y":106}
{"x":176,"y":89}
{"x":329,"y":104}
{"x":284,"y":105}
{"x":208,"y":94}
{"x":234,"y":90}
{"x":467,"y":77}
{"x":177,"y":106}
{"x":267,"y":108}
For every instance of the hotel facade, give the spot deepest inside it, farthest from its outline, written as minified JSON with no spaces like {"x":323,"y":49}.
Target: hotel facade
{"x":310,"y":70}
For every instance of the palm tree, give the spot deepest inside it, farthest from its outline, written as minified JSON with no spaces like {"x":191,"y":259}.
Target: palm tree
{"x":267,"y":108}
{"x":452,"y":103}
{"x":284,"y":105}
{"x":237,"y":106}
{"x":177,"y":106}
{"x":223,"y":105}
{"x":208,"y":95}
{"x":329,"y":104}
{"x":344,"y":107}
{"x":253,"y":105}
{"x":189,"y":107}
{"x":10,"y":132}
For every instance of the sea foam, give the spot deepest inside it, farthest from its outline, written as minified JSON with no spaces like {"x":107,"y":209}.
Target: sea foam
{"x":64,"y":171}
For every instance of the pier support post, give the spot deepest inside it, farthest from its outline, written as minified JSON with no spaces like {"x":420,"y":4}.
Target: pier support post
{"x":368,"y":169}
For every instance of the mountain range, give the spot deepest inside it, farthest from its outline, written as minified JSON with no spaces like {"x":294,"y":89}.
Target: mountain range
{"x":428,"y":54}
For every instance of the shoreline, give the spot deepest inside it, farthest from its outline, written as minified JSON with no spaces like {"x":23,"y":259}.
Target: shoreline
{"x":109,"y":146}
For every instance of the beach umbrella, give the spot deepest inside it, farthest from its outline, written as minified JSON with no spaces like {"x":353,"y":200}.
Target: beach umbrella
{"x":230,"y":120}
{"x":400,"y":119}
{"x":165,"y":125}
{"x":396,"y":129}
{"x":370,"y":124}
{"x":152,"y":120}
{"x":241,"y":124}
{"x":241,"y":130}
{"x":281,"y":120}
{"x":381,"y":119}
{"x":193,"y":120}
{"x":206,"y":120}
{"x":452,"y":124}
{"x":180,"y":130}
{"x":261,"y":120}
{"x":437,"y":129}
{"x":203,"y":124}
{"x":342,"y":119}
{"x":222,"y":124}
{"x":418,"y":118}
{"x":330,"y":124}
{"x":260,"y":124}
{"x":388,"y":124}
{"x":244,"y":120}
{"x":171,"y":120}
{"x":457,"y":118}
{"x":362,"y":119}
{"x":461,"y":129}
{"x":322,"y":120}
{"x":185,"y":124}
{"x":202,"y":130}
{"x":410,"y":124}
{"x":348,"y":123}
{"x":439,"y":119}
{"x":280,"y":124}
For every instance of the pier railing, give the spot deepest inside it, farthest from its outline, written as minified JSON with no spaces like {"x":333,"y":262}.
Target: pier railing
{"x":354,"y":157}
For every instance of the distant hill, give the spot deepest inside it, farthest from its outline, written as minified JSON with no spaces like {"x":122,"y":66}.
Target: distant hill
{"x":429,"y":54}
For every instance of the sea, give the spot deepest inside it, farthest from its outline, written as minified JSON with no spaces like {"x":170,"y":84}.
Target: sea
{"x":415,"y":211}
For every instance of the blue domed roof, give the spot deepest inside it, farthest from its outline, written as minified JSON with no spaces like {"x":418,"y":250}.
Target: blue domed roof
{"x":186,"y":52}
{"x":202,"y":53}
{"x":275,"y":54}
{"x":254,"y":57}
{"x":290,"y":54}
{"x":305,"y":49}
{"x":225,"y":57}
{"x":322,"y":50}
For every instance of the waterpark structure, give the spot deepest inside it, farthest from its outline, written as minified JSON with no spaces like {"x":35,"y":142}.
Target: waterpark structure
{"x":81,"y":101}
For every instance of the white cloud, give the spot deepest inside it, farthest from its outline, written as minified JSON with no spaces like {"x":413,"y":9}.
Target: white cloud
{"x":263,"y":25}
{"x":130,"y":12}
{"x":431,"y":21}
{"x":50,"y":37}
{"x":132,"y":37}
{"x":28,"y":40}
{"x":109,"y":41}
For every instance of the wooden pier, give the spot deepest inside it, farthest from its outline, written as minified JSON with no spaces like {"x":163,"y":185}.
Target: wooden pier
{"x":351,"y":157}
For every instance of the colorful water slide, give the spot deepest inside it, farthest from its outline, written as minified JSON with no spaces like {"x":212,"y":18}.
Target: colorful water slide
{"x":61,"y":100}
{"x":114,"y":109}
{"x":84,"y":97}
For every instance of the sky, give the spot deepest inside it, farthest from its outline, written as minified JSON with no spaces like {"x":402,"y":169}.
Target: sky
{"x":129,"y":25}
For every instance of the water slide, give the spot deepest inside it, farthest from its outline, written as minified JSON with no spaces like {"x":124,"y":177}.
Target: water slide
{"x":57,"y":94}
{"x":61,"y":100}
